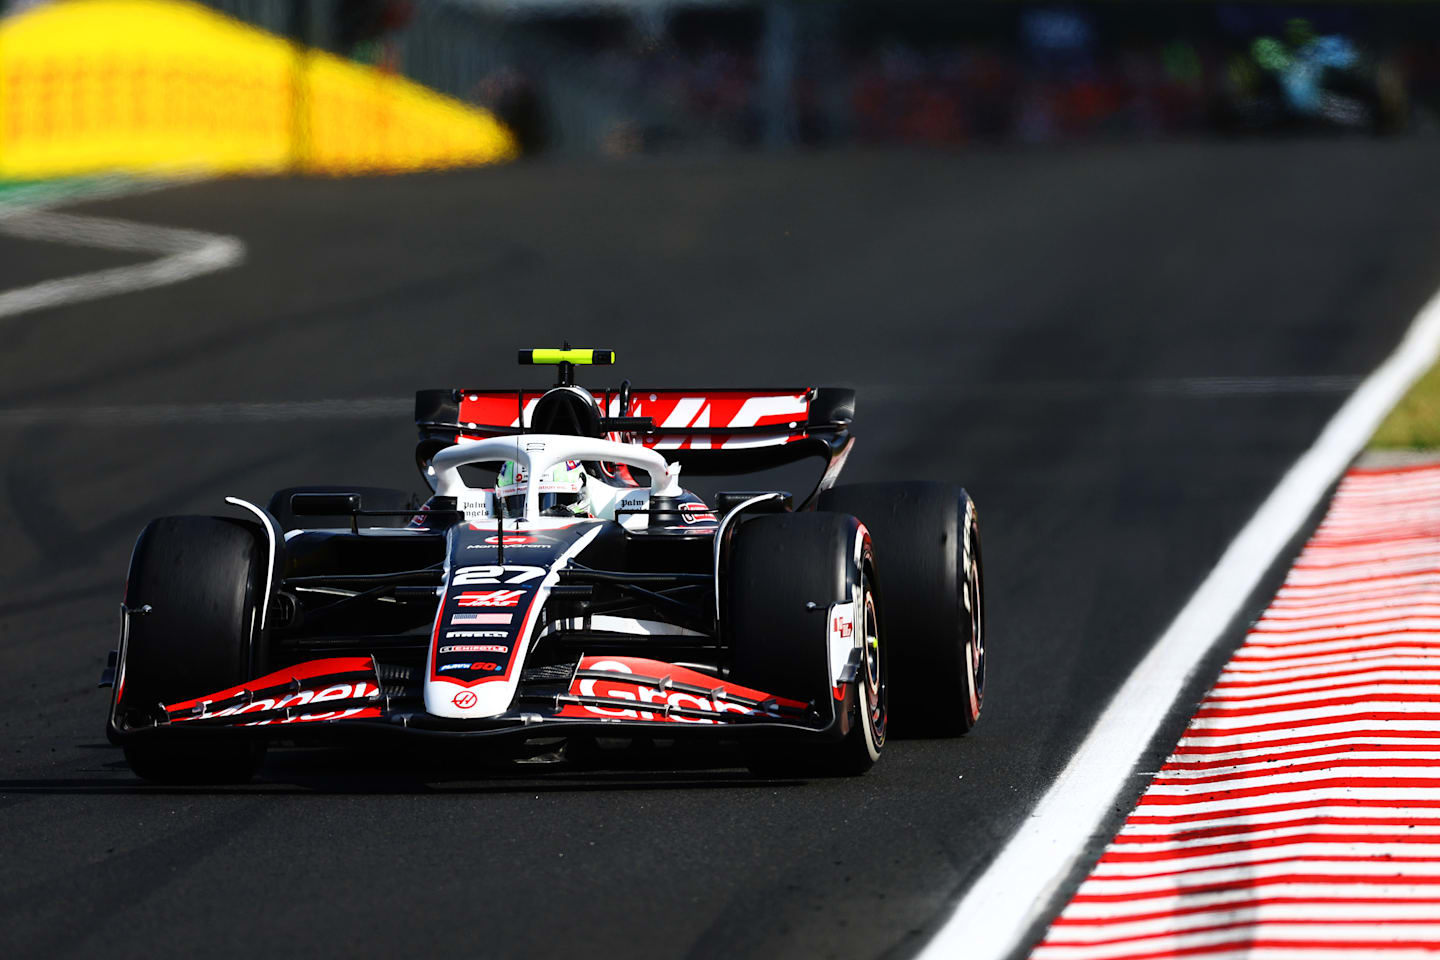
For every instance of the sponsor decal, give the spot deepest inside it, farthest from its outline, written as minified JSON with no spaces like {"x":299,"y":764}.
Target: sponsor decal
{"x":479,"y":618}
{"x":351,"y":713}
{"x":841,"y":641}
{"x":513,"y":541}
{"x":683,"y":411}
{"x":487,"y":665}
{"x":446,"y":668}
{"x":490,"y":598}
{"x":476,"y":633}
{"x":465,"y":699}
{"x":651,"y":703}
{"x":476,"y":648}
{"x":697,"y":513}
{"x":643,"y":696}
{"x":509,"y":574}
{"x":298,"y":698}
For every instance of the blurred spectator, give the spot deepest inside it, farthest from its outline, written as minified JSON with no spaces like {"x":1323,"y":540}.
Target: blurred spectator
{"x":705,"y":75}
{"x":511,"y":95}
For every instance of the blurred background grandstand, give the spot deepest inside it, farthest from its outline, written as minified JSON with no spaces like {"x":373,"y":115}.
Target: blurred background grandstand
{"x":628,"y":75}
{"x":638,"y":76}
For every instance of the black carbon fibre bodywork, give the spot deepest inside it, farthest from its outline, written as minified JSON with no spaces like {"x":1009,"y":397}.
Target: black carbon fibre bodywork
{"x":462,"y":604}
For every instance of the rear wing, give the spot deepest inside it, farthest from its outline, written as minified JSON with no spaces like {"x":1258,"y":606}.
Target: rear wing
{"x":710,"y":432}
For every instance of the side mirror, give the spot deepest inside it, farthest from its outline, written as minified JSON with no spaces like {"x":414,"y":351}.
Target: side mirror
{"x":324,"y":504}
{"x":727,"y":500}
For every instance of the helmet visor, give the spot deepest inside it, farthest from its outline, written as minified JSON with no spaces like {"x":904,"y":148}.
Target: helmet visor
{"x":561,"y":491}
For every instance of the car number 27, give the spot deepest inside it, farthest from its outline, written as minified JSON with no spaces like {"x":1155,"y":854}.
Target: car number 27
{"x":509,"y":574}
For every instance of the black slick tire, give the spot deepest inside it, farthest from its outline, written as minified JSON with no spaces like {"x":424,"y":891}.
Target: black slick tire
{"x":202,"y":580}
{"x":783,"y":573}
{"x":926,"y":537}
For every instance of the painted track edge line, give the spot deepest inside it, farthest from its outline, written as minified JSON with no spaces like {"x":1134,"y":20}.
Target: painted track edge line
{"x":997,"y":916}
{"x":185,"y":254}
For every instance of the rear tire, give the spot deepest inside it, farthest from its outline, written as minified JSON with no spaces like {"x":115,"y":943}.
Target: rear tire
{"x":927,"y":538}
{"x":202,"y":578}
{"x":371,"y":498}
{"x":778,"y":564}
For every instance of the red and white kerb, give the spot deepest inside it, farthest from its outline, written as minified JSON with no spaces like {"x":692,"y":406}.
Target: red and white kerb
{"x":1299,"y":816}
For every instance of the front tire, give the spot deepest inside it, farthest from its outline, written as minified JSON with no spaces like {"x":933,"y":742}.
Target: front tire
{"x":927,"y":536}
{"x":784,"y":574}
{"x":202,"y":579}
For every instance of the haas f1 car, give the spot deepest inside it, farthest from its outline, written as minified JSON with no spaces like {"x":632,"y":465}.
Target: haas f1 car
{"x":560,"y":584}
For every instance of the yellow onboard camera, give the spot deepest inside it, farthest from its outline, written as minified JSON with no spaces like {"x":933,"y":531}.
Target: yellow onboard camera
{"x":536,"y":357}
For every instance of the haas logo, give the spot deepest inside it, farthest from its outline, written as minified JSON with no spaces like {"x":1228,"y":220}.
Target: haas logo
{"x":490,"y":598}
{"x":465,"y":699}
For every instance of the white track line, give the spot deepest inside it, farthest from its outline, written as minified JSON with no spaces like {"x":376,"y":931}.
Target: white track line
{"x":996,"y":917}
{"x":185,"y":254}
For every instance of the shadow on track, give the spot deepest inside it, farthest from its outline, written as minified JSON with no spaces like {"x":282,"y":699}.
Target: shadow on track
{"x":391,"y":770}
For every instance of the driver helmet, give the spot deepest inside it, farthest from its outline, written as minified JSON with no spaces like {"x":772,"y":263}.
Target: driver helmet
{"x":562,"y":490}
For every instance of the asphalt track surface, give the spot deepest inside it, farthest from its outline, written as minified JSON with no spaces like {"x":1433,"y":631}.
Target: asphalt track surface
{"x":1045,"y":327}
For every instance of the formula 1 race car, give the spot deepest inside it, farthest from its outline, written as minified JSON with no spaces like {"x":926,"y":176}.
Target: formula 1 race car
{"x":561,"y":585}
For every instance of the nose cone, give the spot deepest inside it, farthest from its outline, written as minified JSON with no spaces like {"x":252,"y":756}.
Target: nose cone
{"x":490,"y":610}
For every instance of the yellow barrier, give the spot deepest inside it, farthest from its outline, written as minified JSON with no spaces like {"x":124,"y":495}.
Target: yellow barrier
{"x":165,"y":86}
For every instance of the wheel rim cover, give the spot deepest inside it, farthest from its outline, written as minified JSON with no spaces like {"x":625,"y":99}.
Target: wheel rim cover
{"x":874,"y":681}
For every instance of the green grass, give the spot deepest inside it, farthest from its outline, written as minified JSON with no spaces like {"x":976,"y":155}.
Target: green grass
{"x":49,"y":191}
{"x":22,"y":191}
{"x":9,"y":188}
{"x":1414,"y":424}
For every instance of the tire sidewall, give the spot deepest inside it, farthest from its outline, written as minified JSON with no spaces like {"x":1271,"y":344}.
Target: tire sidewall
{"x":872,"y":733}
{"x":927,"y":546}
{"x":973,"y":609}
{"x":201,"y":577}
{"x":157,"y":644}
{"x":785,"y":575}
